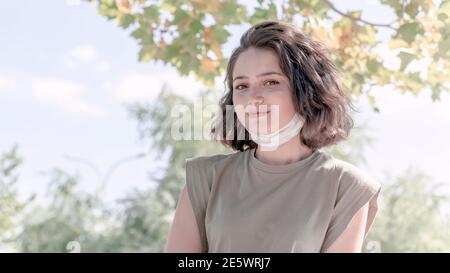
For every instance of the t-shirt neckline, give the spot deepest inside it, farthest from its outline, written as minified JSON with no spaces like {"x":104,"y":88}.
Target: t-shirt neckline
{"x":285,"y":168}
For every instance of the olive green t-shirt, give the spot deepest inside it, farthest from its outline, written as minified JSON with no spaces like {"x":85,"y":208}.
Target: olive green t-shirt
{"x":242,"y":204}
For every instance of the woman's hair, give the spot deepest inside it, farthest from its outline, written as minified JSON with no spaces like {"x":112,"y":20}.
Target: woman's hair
{"x":316,"y":89}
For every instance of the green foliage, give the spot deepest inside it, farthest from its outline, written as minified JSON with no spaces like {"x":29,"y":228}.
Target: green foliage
{"x":189,"y":35}
{"x":10,"y":206}
{"x":408,"y":31}
{"x":405,"y":58}
{"x":413,"y":216}
{"x":145,"y":218}
{"x":138,"y":222}
{"x":71,"y":215}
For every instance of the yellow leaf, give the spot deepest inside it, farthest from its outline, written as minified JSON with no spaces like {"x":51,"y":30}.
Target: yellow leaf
{"x":123,"y":6}
{"x":215,"y":47}
{"x":209,"y":65}
{"x":208,"y":35}
{"x":162,"y":43}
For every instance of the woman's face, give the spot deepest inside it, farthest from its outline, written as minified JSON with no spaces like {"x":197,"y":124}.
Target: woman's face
{"x":261,"y":92}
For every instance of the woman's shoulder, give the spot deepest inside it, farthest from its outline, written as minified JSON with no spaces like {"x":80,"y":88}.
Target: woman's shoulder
{"x":351,"y":176}
{"x":352,"y":189}
{"x":200,"y":169}
{"x":208,"y":161}
{"x":345,"y":173}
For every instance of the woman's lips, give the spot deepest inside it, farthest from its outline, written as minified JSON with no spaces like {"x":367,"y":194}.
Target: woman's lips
{"x":258,"y":114}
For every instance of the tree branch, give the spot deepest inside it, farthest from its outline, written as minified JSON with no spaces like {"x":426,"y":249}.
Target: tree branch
{"x":328,"y":2}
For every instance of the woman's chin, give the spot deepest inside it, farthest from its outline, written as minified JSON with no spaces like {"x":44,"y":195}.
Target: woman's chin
{"x":258,"y":127}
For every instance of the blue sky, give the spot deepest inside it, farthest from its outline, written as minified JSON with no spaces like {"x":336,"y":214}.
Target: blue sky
{"x":65,"y":74}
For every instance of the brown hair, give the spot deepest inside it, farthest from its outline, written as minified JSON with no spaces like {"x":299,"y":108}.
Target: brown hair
{"x":317,"y":92}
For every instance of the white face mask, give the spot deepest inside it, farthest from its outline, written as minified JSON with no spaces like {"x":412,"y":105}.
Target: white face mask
{"x":270,"y":141}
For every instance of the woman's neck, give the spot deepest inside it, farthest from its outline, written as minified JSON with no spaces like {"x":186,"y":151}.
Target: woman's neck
{"x":286,"y":153}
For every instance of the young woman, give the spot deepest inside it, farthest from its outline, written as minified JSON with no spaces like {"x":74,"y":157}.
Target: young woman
{"x":278,"y":192}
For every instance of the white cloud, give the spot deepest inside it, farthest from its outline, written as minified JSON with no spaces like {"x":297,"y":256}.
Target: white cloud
{"x":392,"y":102}
{"x":102,"y":67}
{"x":6,"y":84}
{"x":441,"y":108}
{"x":66,"y":96}
{"x":373,"y":3}
{"x":73,"y":2}
{"x":146,"y":86}
{"x":134,"y":86}
{"x":85,"y":55}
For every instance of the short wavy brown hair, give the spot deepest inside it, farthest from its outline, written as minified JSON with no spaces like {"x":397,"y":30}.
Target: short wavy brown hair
{"x":317,"y":92}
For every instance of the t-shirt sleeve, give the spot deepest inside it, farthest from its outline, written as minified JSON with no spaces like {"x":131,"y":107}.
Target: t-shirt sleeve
{"x":355,"y":190}
{"x":198,"y":184}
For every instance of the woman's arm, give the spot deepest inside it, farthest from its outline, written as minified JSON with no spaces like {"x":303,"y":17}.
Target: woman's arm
{"x":351,"y":240}
{"x":184,"y":235}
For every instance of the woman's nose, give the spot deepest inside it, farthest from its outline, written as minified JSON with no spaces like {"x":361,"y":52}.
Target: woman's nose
{"x":256,"y":96}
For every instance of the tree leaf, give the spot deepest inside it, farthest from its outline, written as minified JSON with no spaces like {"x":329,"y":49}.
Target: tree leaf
{"x":405,"y":59}
{"x":409,"y":31}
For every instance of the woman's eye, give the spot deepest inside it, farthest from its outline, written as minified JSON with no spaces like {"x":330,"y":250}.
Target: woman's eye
{"x":237,"y":87}
{"x":243,"y":86}
{"x":272,"y":81}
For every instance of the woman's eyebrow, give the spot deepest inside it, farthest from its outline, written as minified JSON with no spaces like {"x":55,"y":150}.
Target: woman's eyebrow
{"x":260,"y":75}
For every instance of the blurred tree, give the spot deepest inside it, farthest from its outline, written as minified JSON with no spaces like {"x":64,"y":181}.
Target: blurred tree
{"x":74,"y":220}
{"x":10,"y":206}
{"x":413,"y":216}
{"x":145,"y":217}
{"x":71,"y":217}
{"x":189,"y":36}
{"x":78,"y":221}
